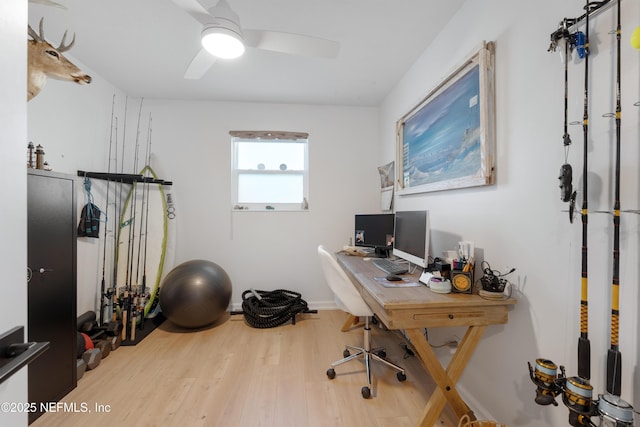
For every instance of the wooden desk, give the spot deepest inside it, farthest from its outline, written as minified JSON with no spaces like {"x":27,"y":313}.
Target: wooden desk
{"x":414,"y":308}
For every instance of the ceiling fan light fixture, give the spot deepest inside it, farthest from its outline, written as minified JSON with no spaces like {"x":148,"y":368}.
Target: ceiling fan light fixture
{"x":222,"y":42}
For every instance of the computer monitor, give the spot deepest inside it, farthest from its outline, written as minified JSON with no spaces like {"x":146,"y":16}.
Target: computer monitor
{"x":411,"y":237}
{"x":374,"y":231}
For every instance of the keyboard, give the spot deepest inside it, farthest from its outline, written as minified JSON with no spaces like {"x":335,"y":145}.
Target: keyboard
{"x":389,"y":266}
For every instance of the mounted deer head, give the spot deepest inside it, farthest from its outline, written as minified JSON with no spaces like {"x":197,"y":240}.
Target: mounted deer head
{"x":46,"y":60}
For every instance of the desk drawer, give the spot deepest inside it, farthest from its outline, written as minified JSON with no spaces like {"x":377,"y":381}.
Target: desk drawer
{"x":443,"y":317}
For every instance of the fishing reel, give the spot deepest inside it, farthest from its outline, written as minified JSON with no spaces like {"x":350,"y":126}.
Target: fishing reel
{"x":566,"y":182}
{"x":614,"y":412}
{"x":544,"y":376}
{"x":576,"y":392}
{"x":577,"y":396}
{"x":566,"y":188}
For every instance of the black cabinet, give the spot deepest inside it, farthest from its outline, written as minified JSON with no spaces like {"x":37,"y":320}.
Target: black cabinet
{"x":51,"y":246}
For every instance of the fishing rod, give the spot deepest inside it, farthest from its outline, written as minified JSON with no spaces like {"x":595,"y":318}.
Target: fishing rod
{"x":584,"y":346}
{"x":139,"y":293}
{"x":566,"y":172}
{"x":577,"y":392}
{"x":145,"y":188}
{"x":612,"y":409}
{"x":132,"y":296}
{"x":127,"y":287}
{"x":113,"y":290}
{"x":127,"y":299}
{"x":146,"y":231}
{"x":136,"y":290}
{"x":566,"y":138}
{"x":122,"y":295}
{"x":103,"y":295}
{"x":614,"y":357}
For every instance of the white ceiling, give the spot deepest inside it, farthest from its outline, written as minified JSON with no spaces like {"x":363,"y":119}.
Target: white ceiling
{"x":144,"y":46}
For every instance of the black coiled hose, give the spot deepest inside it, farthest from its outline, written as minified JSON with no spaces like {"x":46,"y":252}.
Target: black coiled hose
{"x":268,"y":309}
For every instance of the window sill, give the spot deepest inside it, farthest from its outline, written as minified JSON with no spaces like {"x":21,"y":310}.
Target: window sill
{"x":267,"y":209}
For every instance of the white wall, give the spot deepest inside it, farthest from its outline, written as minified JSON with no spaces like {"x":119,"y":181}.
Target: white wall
{"x":265,"y":250}
{"x":520,"y":221}
{"x":190,"y":146}
{"x":13,"y":223}
{"x":72,"y":123}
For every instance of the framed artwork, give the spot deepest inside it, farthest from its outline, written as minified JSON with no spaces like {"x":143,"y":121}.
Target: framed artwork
{"x":387,"y":175}
{"x":447,"y":141}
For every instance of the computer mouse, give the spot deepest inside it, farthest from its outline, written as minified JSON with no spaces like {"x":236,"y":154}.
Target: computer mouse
{"x":393,"y":278}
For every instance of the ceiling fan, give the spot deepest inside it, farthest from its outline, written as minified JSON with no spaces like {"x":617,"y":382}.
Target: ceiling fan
{"x":48,"y":3}
{"x":220,"y":23}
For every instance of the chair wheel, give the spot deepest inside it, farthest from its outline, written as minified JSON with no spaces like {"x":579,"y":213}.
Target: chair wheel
{"x":331,"y":373}
{"x":366,"y":392}
{"x":401,"y":376}
{"x":346,"y":353}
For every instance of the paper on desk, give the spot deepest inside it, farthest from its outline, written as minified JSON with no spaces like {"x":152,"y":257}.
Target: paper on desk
{"x":404,"y":283}
{"x":386,"y":198}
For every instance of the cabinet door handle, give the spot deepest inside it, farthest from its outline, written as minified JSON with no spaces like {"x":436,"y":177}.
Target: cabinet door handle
{"x":44,"y":270}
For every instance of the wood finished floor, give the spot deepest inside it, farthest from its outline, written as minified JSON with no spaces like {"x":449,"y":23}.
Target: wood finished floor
{"x":234,"y":375}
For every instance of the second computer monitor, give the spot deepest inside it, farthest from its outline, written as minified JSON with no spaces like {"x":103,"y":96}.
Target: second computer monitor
{"x":411,"y":236}
{"x":374,"y":230}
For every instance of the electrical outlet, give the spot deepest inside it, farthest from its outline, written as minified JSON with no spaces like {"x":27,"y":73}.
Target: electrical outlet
{"x":453,"y":344}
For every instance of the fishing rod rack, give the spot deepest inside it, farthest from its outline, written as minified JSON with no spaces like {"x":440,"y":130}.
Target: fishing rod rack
{"x":129,"y":298}
{"x":565,"y":26}
{"x":124,"y":178}
{"x":550,"y":379}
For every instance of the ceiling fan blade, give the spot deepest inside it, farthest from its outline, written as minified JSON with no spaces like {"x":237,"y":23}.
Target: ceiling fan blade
{"x":195,"y":9}
{"x":199,"y":65}
{"x":295,"y":44}
{"x":49,"y":3}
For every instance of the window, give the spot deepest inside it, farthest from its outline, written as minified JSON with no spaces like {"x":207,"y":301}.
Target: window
{"x":269,"y":170}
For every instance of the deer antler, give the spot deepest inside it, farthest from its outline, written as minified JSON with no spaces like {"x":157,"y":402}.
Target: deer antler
{"x":62,"y":47}
{"x":37,"y":37}
{"x":40,"y":37}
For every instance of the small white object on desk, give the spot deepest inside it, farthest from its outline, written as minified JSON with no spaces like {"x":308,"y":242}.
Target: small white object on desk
{"x":440,"y":285}
{"x":435,"y":282}
{"x":425,"y":277}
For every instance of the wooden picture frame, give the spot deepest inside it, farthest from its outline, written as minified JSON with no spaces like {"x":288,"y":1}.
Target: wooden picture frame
{"x":447,"y":141}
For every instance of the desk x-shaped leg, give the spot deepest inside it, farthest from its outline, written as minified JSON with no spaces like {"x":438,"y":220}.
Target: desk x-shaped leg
{"x":446,"y":379}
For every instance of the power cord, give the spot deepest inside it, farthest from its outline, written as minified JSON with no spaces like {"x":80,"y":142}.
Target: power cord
{"x":407,"y":351}
{"x":452,"y":343}
{"x":407,"y":346}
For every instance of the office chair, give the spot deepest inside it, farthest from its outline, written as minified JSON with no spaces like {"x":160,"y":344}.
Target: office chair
{"x":349,"y":300}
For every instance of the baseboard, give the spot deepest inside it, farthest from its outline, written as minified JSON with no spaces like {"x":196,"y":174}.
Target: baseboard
{"x":323,"y":305}
{"x":313,"y":305}
{"x":478,"y":409}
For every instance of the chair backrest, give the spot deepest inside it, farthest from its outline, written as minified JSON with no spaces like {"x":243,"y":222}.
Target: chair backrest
{"x":343,"y":289}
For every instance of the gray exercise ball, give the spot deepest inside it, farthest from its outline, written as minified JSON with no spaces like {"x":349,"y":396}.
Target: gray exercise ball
{"x":195,"y":293}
